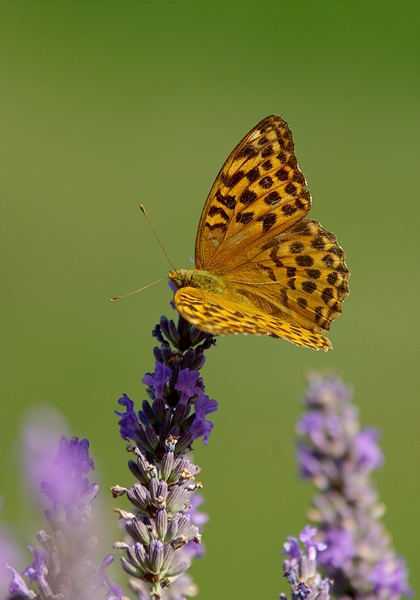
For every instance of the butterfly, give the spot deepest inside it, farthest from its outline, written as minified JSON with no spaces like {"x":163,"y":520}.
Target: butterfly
{"x":261,"y":266}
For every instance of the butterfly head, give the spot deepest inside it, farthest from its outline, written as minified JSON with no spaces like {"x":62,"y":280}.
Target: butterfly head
{"x":181,"y":277}
{"x":198,"y":279}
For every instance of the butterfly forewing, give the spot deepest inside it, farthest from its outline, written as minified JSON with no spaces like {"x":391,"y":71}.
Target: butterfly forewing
{"x":258,"y":193}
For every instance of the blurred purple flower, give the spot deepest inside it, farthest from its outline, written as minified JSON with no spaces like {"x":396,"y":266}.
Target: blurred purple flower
{"x":17,"y":585}
{"x":389,"y":577}
{"x":61,"y":566}
{"x":10,"y":553}
{"x":338,"y":456}
{"x":40,"y":436}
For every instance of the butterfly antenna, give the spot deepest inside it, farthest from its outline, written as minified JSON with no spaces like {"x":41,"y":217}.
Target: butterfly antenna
{"x":143,"y":210}
{"x":140,"y":290}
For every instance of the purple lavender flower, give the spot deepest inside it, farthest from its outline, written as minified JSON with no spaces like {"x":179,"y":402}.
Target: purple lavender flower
{"x":158,"y":380}
{"x":61,"y":567}
{"x":338,"y":457}
{"x":10,"y":552}
{"x":187,"y":384}
{"x":300,"y":568}
{"x":40,"y":436}
{"x":176,"y":389}
{"x":164,"y":528}
{"x":18,"y":587}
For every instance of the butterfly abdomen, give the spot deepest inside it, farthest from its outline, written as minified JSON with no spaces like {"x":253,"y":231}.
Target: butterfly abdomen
{"x":203,"y":280}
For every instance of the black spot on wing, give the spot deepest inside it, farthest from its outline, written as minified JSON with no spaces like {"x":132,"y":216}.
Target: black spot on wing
{"x":244,"y":217}
{"x":302,"y":302}
{"x":269,"y":271}
{"x":290,"y":188}
{"x":304,"y":260}
{"x":248,"y":151}
{"x":222,"y":226}
{"x":267,"y":151}
{"x":318,"y":243}
{"x":276,"y":260}
{"x":218,"y":210}
{"x":272,"y":198}
{"x":309,"y":287}
{"x":247,"y":197}
{"x":282,"y":174}
{"x":236,"y":178}
{"x":313,"y":273}
{"x":297,"y":247}
{"x":332,"y":278}
{"x":253,"y":175}
{"x":228,"y":201}
{"x":268,"y":221}
{"x":266,"y":182}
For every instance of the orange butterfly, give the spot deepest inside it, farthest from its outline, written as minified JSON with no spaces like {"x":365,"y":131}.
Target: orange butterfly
{"x":261,"y":266}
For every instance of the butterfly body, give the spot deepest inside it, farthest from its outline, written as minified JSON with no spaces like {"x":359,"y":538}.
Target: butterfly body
{"x":262,"y":267}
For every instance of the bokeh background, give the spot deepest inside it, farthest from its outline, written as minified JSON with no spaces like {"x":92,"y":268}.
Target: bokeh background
{"x":109,"y":104}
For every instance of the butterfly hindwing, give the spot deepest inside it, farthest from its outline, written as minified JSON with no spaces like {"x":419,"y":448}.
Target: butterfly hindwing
{"x":216,"y":314}
{"x":300,"y":273}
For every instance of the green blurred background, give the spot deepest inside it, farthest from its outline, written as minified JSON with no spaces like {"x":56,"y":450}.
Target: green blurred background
{"x":110,"y":104}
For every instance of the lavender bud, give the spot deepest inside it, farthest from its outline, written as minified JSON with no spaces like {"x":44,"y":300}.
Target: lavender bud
{"x":167,"y":465}
{"x":138,"y":531}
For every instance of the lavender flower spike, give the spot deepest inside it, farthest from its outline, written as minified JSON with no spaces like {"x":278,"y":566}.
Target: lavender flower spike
{"x":300,"y":568}
{"x":163,"y":530}
{"x":61,"y":567}
{"x":338,"y":456}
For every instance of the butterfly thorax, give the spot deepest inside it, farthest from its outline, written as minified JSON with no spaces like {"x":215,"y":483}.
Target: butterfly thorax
{"x":198,"y":279}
